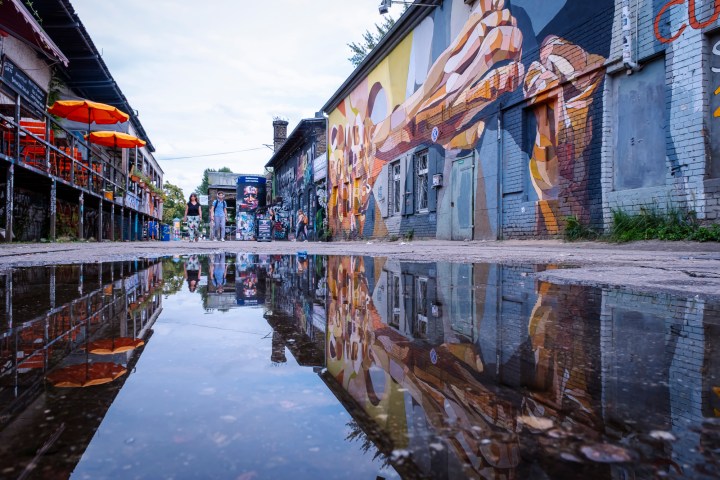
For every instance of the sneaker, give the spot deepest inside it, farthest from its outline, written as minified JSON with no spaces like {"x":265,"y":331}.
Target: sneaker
{"x":222,"y":239}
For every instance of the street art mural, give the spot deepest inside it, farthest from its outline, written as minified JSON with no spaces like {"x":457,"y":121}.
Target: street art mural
{"x":439,"y":90}
{"x":250,"y":196}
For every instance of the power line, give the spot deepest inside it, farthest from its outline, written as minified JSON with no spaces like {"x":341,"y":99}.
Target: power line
{"x":212,"y":154}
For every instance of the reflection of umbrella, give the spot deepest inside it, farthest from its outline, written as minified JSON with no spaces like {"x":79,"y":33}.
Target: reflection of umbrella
{"x":86,"y":374}
{"x":114,"y":139}
{"x":88,"y":111}
{"x":109,"y":346}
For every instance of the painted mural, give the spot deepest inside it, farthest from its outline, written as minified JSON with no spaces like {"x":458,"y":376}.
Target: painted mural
{"x":440,"y":88}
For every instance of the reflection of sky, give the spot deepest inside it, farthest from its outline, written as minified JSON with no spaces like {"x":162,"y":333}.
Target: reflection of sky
{"x":205,"y":401}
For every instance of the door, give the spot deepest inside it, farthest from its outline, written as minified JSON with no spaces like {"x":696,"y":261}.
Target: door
{"x":463,"y":198}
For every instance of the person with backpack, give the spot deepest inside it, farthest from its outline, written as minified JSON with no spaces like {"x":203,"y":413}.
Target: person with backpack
{"x":218,"y":217}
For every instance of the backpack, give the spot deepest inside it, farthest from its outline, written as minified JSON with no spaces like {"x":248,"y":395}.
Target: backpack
{"x":215,"y":202}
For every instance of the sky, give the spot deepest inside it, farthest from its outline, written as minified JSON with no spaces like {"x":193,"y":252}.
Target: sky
{"x":209,"y":77}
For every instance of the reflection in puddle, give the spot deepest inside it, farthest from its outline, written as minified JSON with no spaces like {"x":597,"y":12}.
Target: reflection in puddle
{"x":280,"y":366}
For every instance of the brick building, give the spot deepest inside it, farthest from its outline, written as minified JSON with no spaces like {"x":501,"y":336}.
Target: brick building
{"x":488,"y":120}
{"x":299,"y":166}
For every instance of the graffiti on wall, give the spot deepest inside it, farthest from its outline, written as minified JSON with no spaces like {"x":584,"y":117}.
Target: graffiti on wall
{"x":690,"y":8}
{"x":427,"y":92}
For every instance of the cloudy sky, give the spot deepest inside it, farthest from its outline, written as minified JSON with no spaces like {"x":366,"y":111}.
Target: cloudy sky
{"x":208,"y":78}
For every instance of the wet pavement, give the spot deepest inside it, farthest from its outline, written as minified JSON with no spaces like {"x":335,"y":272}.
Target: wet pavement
{"x":247,"y":366}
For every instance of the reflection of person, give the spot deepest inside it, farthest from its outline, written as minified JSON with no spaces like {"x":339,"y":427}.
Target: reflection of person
{"x":218,"y":217}
{"x":193,"y":213}
{"x":192,"y":272}
{"x":301,"y":226}
{"x":219,"y":272}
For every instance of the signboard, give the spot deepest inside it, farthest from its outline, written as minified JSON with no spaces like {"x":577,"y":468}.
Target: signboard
{"x":203,"y":199}
{"x":264,"y":232}
{"x":24,"y":84}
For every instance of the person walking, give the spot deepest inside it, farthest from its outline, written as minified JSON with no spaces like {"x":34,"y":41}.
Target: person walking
{"x":193,"y":214}
{"x":218,"y":217}
{"x":301,"y":226}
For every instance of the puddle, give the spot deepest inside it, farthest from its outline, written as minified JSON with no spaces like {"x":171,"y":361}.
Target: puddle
{"x":252,"y":366}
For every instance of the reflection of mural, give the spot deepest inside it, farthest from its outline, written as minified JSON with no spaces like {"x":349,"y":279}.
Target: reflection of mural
{"x":450,"y":383}
{"x":429,"y":93}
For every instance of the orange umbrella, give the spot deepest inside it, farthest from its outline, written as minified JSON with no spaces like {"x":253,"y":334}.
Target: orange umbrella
{"x":109,"y":346}
{"x":88,"y":111}
{"x":114,"y":139}
{"x":86,"y":374}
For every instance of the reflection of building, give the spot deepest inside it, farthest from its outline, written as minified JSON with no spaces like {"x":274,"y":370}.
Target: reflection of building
{"x":64,"y":311}
{"x":448,"y":362}
{"x":295,"y":307}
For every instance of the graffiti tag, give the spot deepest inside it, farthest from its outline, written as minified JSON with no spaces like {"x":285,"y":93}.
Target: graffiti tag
{"x":692,"y":18}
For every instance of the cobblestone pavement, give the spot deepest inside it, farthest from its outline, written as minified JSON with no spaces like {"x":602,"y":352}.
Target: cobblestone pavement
{"x":685,"y":268}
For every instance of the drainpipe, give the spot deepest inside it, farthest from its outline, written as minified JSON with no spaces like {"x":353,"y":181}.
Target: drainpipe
{"x":629,"y":30}
{"x":501,"y":173}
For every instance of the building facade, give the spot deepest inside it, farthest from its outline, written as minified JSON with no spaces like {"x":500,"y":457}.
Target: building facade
{"x":298,"y":180}
{"x":500,"y":119}
{"x":52,"y":182}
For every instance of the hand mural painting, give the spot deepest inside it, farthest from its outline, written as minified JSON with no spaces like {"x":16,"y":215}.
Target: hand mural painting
{"x":403,"y":106}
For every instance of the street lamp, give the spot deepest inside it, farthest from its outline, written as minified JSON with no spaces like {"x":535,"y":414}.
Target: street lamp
{"x":384,"y":6}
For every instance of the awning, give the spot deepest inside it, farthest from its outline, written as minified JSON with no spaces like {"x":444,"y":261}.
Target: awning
{"x":15,"y":20}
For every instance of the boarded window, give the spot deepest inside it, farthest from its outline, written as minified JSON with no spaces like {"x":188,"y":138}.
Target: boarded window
{"x":714,"y":90}
{"x":639,"y":127}
{"x":541,"y":128}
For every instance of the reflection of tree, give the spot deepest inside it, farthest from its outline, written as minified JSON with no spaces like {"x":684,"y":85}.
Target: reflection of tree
{"x":173,"y":276}
{"x":358,"y":434}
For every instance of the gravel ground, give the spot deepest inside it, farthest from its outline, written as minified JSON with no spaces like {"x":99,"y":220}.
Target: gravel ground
{"x":685,"y":268}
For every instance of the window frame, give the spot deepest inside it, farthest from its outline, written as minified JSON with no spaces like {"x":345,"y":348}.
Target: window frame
{"x":422,"y":185}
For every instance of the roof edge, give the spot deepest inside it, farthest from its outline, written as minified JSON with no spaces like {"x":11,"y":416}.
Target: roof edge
{"x":403,"y":26}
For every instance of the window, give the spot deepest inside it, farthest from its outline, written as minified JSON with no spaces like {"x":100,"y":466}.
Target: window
{"x":394,"y":304}
{"x":421,"y":167}
{"x":421,"y":320}
{"x":357,"y":197}
{"x":394,"y":193}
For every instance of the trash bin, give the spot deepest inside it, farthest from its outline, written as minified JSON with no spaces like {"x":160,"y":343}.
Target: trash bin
{"x":165,"y":236}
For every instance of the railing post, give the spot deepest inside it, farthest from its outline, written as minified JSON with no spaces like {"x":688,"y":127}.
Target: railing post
{"x":112,"y":221}
{"x":53,"y":209}
{"x":100,"y":220}
{"x":81,"y":221}
{"x":9,"y":197}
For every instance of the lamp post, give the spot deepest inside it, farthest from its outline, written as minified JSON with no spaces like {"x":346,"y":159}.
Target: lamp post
{"x":384,"y":6}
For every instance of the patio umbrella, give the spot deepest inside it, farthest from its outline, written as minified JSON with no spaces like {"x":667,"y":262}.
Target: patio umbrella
{"x":86,"y":374}
{"x":114,"y":139}
{"x":88,"y":111}
{"x":110,"y":346}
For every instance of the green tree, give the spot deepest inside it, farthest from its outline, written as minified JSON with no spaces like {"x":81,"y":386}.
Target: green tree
{"x":370,"y":40}
{"x":174,"y":205}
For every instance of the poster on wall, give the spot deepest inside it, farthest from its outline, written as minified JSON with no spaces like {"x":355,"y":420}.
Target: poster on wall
{"x":264,"y":230}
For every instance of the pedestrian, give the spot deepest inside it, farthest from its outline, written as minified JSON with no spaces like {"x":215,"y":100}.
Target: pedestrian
{"x":219,"y":272}
{"x":218,"y":217}
{"x":301,"y":225}
{"x":193,"y":214}
{"x":192,"y":272}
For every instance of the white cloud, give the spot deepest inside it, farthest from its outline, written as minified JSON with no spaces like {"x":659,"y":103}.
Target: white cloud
{"x":208,"y":77}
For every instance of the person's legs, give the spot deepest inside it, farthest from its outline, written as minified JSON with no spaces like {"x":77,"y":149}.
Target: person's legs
{"x":222,"y":229}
